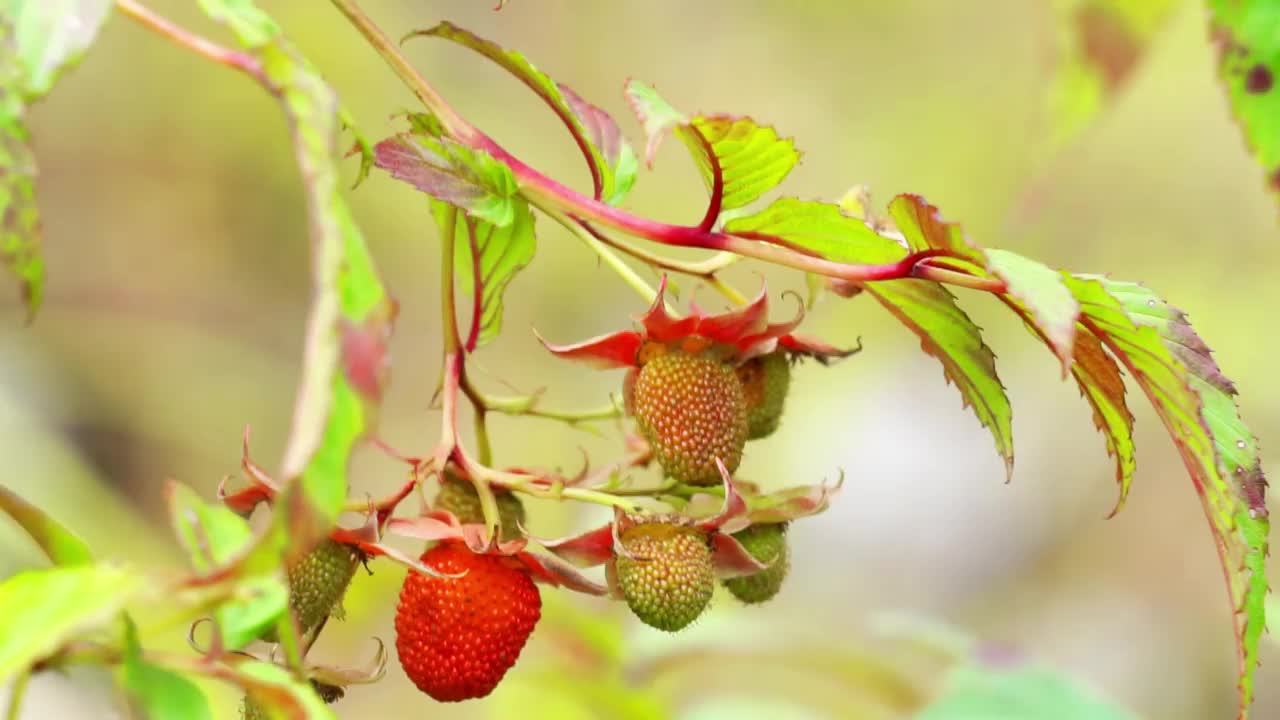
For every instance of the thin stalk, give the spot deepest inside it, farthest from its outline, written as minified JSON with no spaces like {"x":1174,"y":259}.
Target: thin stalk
{"x":959,"y":279}
{"x":705,"y":269}
{"x":610,"y":258}
{"x":484,"y":449}
{"x":17,"y":691}
{"x":527,"y":405}
{"x":160,"y":25}
{"x":453,"y":123}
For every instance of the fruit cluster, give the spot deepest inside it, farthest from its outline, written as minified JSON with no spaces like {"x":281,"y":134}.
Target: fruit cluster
{"x":698,"y":388}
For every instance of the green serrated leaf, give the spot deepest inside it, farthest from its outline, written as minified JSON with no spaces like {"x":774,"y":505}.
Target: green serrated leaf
{"x":1196,"y":403}
{"x":1249,"y":66}
{"x":61,"y":545}
{"x":819,"y":228}
{"x":1100,"y":43}
{"x":344,"y":364}
{"x":155,"y":693}
{"x":739,"y":160}
{"x":210,"y":534}
{"x":42,"y":609}
{"x":974,"y":692}
{"x":486,"y":258}
{"x":1031,"y":284}
{"x":750,"y":158}
{"x":927,"y":308}
{"x":609,"y":156}
{"x":1102,"y":385}
{"x":946,"y":332}
{"x":469,"y":179}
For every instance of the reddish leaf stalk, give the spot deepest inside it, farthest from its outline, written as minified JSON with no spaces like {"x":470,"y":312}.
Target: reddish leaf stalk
{"x":543,"y":190}
{"x":183,"y":38}
{"x":717,"y":183}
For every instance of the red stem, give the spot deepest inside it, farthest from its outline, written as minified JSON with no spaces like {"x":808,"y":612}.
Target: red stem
{"x":717,"y":183}
{"x":473,"y":336}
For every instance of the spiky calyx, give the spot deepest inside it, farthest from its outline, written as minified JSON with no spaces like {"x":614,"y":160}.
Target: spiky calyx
{"x":765,"y":381}
{"x":457,"y":636}
{"x":768,"y":544}
{"x":459,"y":497}
{"x":318,"y":581}
{"x":665,"y":573}
{"x":691,"y":409}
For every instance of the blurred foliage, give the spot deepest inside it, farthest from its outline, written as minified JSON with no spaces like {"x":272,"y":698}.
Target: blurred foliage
{"x":179,"y":297}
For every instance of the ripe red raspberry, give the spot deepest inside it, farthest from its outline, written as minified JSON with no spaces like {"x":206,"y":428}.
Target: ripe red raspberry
{"x":457,"y":637}
{"x":691,"y":409}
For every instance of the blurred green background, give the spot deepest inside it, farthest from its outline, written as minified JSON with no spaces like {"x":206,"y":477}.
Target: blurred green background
{"x":178,"y":285}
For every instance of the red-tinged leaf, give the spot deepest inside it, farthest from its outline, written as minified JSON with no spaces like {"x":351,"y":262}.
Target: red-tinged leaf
{"x":1249,"y":67}
{"x":812,"y":347}
{"x":1102,"y":385}
{"x":59,"y":544}
{"x":656,"y":115}
{"x":946,"y":332}
{"x":1035,"y":286}
{"x":1196,"y":404}
{"x":789,"y":504}
{"x":733,"y":511}
{"x":453,"y":173}
{"x":731,"y":559}
{"x":606,"y":137}
{"x":364,"y":353}
{"x":609,"y":157}
{"x":1100,"y":44}
{"x":605,"y":352}
{"x":556,"y":573}
{"x":486,"y":259}
{"x":588,"y":549}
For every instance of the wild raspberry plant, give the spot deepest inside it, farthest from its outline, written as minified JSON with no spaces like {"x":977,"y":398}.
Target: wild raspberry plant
{"x":699,"y":386}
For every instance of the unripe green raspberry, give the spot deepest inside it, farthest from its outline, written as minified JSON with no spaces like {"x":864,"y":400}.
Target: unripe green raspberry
{"x":768,"y":544}
{"x":665,"y":573}
{"x":318,"y":581}
{"x":765,"y":381}
{"x":691,"y":410}
{"x":459,"y":497}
